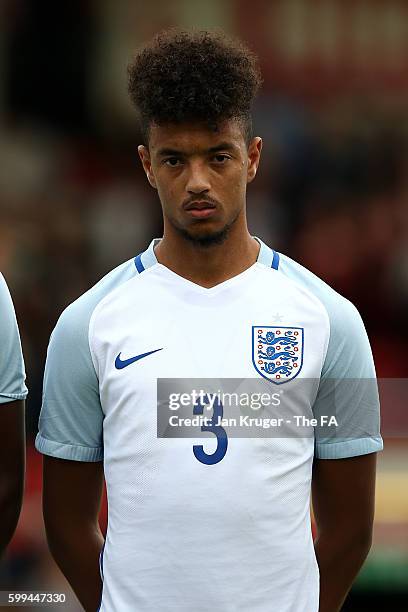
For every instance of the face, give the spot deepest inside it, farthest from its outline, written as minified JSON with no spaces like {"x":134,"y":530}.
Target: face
{"x":201,"y":177}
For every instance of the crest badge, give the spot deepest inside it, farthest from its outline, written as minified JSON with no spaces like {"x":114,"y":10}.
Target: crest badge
{"x":277,"y":352}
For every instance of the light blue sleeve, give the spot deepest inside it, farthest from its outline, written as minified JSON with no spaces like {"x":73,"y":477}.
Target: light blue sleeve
{"x":12,"y":373}
{"x":71,"y":419}
{"x":348,"y":386}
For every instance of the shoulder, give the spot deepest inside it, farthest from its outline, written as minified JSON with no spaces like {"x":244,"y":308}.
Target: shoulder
{"x":349,"y":351}
{"x":8,"y":322}
{"x":3,"y":285}
{"x":341,"y":312}
{"x":6,"y":304}
{"x":137,"y":292}
{"x":75,"y":319}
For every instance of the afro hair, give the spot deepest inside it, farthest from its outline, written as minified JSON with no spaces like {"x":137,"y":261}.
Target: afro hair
{"x":193,"y":76}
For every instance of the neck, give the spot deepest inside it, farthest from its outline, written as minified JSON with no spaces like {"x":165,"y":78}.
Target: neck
{"x":208,"y":266}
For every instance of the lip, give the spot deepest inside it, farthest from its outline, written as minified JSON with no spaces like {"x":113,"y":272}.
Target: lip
{"x":201,"y":209}
{"x":199,"y":205}
{"x":201,"y":213}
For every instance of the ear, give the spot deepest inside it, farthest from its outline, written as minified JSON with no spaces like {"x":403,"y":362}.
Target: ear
{"x":254,"y":156}
{"x":144,"y":155}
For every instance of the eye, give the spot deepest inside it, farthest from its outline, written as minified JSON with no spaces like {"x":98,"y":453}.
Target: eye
{"x":221,"y":158}
{"x":173,"y":162}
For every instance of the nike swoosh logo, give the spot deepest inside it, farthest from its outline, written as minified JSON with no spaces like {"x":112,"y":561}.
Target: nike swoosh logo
{"x":120,"y":364}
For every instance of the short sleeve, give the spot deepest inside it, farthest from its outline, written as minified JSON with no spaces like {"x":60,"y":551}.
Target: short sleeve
{"x":12,"y":373}
{"x":348,"y":390}
{"x":71,"y":419}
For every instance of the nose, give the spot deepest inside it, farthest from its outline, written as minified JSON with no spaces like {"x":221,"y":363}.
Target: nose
{"x":198,"y":179}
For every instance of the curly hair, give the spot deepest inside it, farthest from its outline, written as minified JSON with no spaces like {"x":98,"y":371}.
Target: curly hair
{"x":193,"y":76}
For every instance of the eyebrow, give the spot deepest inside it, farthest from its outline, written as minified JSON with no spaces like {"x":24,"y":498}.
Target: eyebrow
{"x":223,"y":146}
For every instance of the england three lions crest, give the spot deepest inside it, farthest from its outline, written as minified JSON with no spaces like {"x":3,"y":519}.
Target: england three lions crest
{"x":277,"y":352}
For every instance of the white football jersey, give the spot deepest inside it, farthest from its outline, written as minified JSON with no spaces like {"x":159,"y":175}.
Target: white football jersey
{"x":186,"y":533}
{"x":12,"y":373}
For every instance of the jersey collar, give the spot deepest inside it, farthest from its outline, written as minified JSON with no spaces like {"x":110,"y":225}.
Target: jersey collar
{"x":266,"y":256}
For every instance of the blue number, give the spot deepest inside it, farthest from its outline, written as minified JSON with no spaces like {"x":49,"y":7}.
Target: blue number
{"x":217,"y":430}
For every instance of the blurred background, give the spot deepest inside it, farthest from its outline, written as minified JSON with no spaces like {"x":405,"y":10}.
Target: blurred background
{"x":331,"y":193}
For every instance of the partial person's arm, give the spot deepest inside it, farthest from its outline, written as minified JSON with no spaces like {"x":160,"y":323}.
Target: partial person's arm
{"x":343,"y":493}
{"x":12,"y":395}
{"x":71,"y":500}
{"x":12,"y":467}
{"x":70,"y":438}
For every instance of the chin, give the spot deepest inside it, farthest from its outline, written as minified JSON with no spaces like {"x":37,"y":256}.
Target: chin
{"x":205,"y":237}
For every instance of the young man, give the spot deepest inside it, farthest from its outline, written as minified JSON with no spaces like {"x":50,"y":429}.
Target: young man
{"x":12,"y":395}
{"x":198,"y":527}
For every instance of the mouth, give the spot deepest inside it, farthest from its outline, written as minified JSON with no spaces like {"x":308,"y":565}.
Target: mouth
{"x":200,"y":210}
